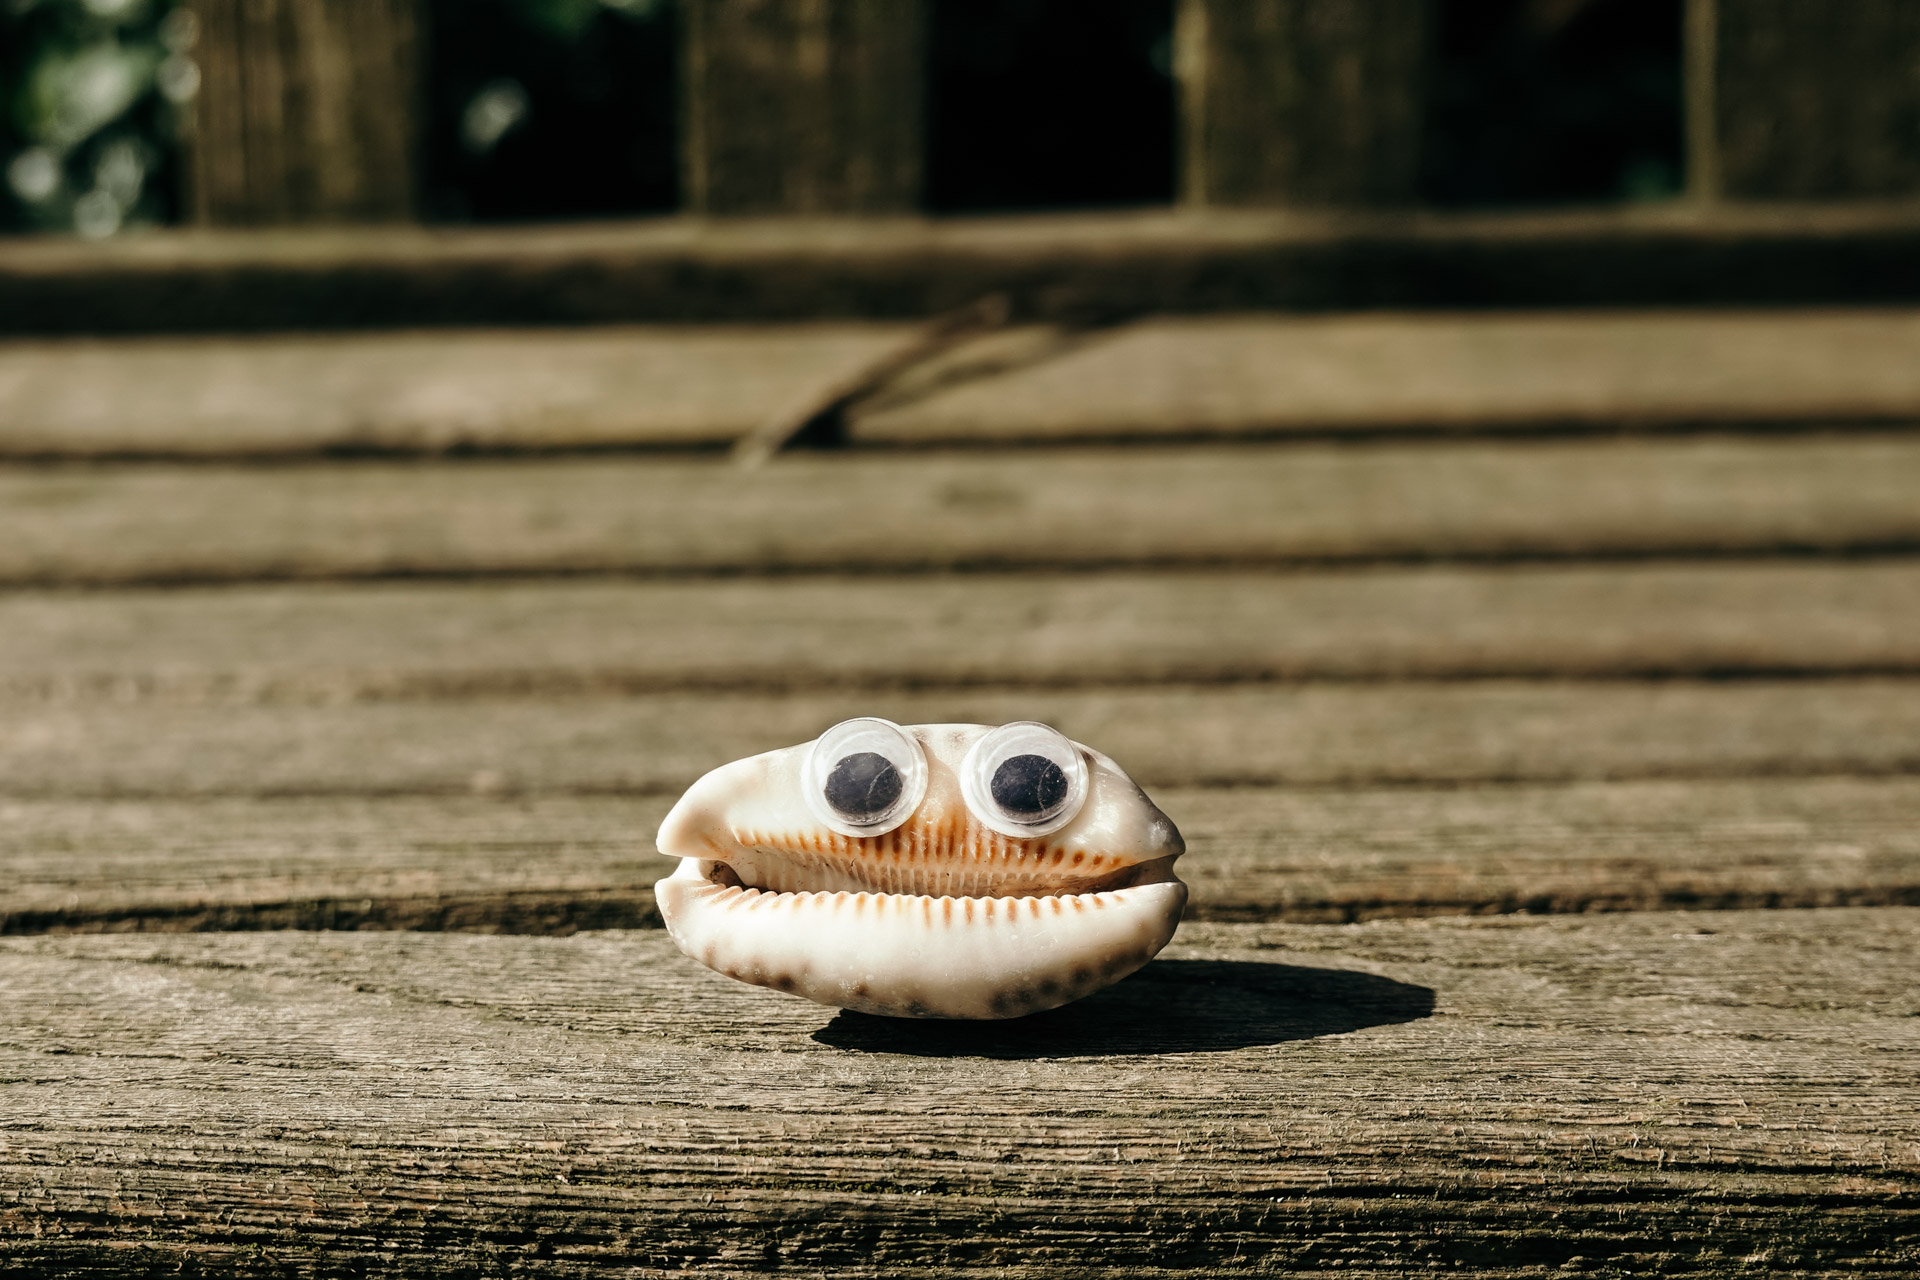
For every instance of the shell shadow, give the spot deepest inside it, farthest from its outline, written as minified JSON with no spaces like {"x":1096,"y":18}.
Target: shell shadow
{"x":1171,"y":1006}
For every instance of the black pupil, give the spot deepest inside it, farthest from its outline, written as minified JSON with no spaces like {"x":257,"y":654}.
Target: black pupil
{"x":1029,"y":786}
{"x":864,"y":785}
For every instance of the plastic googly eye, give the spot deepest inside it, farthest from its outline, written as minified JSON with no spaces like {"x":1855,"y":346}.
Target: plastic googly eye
{"x":1024,"y":779}
{"x":865,"y":777}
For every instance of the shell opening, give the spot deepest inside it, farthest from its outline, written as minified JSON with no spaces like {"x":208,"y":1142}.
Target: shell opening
{"x":774,"y":870}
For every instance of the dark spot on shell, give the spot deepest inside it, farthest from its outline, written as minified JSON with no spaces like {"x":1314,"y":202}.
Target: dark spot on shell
{"x":864,"y":785}
{"x":1029,"y":787}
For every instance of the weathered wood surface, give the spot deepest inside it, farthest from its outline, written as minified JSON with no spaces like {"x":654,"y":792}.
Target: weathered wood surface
{"x":1270,"y":506}
{"x":306,"y":111}
{"x":1807,"y":100}
{"x":1041,"y":631}
{"x":1263,"y":1099}
{"x":802,"y":108}
{"x":113,"y":744}
{"x":1300,"y":102}
{"x":686,"y":271}
{"x":417,"y":392}
{"x":1650,"y":673}
{"x":1474,"y":373}
{"x":546,"y":864}
{"x":1241,"y":375}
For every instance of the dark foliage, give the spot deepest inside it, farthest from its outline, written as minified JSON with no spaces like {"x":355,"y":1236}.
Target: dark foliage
{"x":551,"y":109}
{"x":1050,"y":103}
{"x":1546,"y":101}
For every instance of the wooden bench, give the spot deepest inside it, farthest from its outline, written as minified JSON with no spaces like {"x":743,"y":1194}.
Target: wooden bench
{"x":1539,"y":691}
{"x":1550,"y":800}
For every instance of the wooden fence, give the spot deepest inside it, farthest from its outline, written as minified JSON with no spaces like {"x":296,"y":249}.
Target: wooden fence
{"x":311,"y":112}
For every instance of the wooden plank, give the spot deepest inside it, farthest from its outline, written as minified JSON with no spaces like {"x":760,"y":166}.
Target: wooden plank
{"x":413,"y":392}
{"x":558,"y":864}
{"x":1307,"y":735}
{"x":1626,"y":846}
{"x":1281,"y":375}
{"x":1807,"y":100}
{"x":1400,"y":1093}
{"x":802,"y":106}
{"x":1119,"y":630}
{"x":1248,"y":375}
{"x":684,"y":271}
{"x":1082,"y":508}
{"x":1301,"y":102}
{"x":306,"y":112}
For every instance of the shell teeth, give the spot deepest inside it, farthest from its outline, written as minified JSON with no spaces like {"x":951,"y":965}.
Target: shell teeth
{"x":942,"y":860}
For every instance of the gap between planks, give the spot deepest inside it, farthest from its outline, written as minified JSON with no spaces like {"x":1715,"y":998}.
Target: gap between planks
{"x":1055,"y":266}
{"x":1391,"y":1094}
{"x":1084,"y":509}
{"x":553,"y":865}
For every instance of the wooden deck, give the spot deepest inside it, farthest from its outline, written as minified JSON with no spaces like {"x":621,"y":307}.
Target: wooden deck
{"x":1540,"y":698}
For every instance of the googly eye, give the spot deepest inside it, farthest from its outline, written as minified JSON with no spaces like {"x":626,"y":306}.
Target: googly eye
{"x":864,"y":777}
{"x":1024,"y":779}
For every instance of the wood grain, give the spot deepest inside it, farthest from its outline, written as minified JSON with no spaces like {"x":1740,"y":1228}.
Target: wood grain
{"x":306,"y":112}
{"x":1168,"y":378}
{"x":692,"y":271}
{"x":1301,"y":102}
{"x":1274,"y":506}
{"x":1305,"y":735}
{"x":558,"y":864}
{"x":1812,"y":102}
{"x":1120,"y":630}
{"x":1477,"y":373}
{"x":1382,"y":1095}
{"x":414,"y":392}
{"x":802,"y":107}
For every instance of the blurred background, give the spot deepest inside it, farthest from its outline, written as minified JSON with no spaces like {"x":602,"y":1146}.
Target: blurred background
{"x":554,"y":109}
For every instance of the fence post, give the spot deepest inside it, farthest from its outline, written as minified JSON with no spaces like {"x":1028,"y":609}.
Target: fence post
{"x":1804,"y":99}
{"x":802,"y":106}
{"x":308,"y":111}
{"x":1301,"y":102}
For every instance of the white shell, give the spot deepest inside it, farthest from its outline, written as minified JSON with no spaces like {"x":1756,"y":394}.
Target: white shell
{"x":940,"y":917}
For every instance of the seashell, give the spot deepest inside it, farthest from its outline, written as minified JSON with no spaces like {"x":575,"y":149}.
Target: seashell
{"x":923,"y":871}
